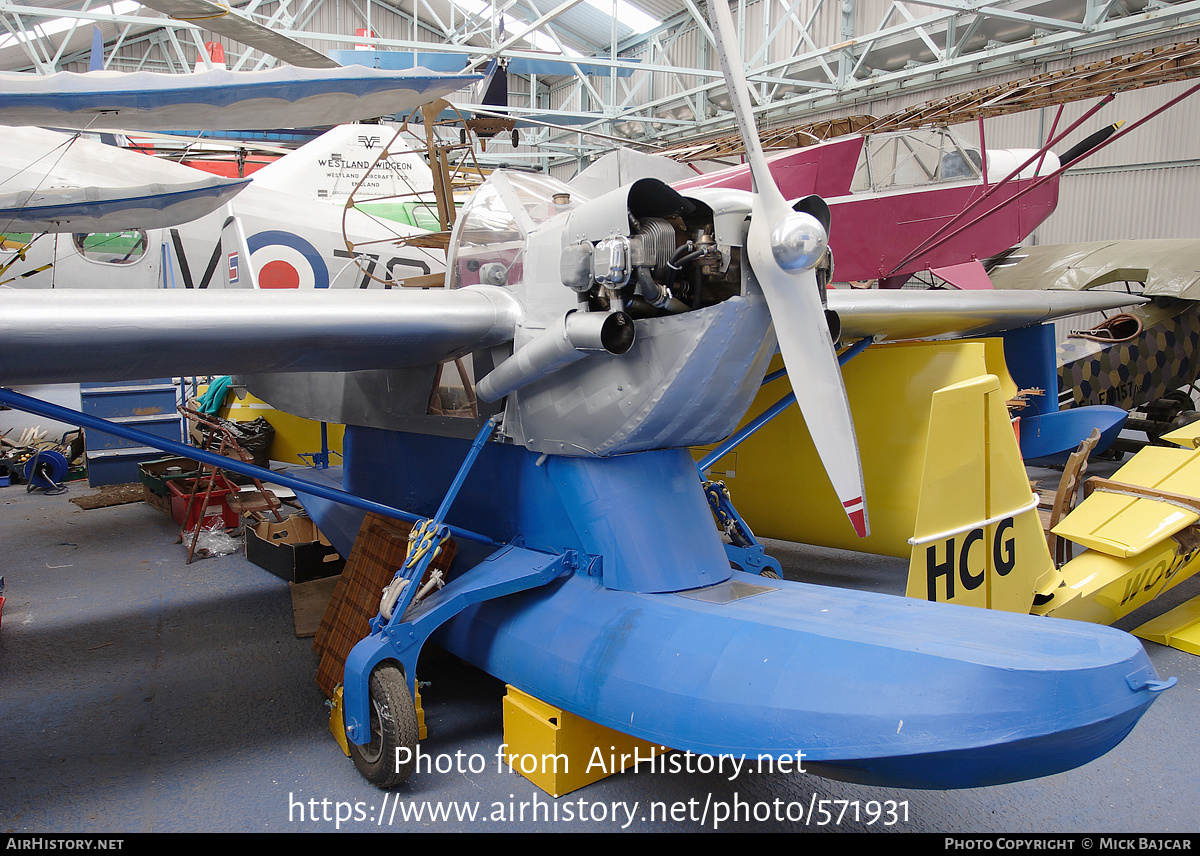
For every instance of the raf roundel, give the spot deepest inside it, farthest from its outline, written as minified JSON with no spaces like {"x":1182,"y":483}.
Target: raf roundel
{"x":284,"y":260}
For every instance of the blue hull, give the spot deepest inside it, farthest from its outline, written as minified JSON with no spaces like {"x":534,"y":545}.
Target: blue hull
{"x":637,"y":622}
{"x":870,"y":688}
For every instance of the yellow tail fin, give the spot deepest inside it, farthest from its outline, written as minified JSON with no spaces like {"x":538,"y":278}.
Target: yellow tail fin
{"x":977,"y":540}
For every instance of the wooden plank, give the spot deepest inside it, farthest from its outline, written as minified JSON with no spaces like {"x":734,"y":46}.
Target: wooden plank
{"x":309,"y":602}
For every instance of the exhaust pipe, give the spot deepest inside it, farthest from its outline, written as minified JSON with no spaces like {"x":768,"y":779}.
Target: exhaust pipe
{"x":574,"y":336}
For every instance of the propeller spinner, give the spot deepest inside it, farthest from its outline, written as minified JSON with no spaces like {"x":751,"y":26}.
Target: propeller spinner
{"x":783,"y":248}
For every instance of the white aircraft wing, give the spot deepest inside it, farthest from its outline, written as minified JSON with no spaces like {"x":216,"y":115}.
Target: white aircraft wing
{"x":284,"y":97}
{"x":55,"y":182}
{"x":63,"y":336}
{"x":107,"y":209}
{"x":51,"y":336}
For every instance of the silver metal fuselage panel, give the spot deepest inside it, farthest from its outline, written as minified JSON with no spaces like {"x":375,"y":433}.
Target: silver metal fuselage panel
{"x":687,"y":381}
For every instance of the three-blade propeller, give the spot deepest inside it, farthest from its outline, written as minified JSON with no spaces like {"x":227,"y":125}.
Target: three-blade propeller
{"x":783,"y":247}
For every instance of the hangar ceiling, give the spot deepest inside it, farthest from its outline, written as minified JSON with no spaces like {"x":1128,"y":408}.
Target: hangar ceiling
{"x":644,"y":71}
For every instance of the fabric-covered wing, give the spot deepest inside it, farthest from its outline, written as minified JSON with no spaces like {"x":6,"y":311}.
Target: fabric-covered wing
{"x":1169,"y":268}
{"x":895,"y":315}
{"x":283,"y":97}
{"x":104,"y":209}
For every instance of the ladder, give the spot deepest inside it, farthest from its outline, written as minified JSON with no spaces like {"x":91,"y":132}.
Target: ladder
{"x":218,"y":438}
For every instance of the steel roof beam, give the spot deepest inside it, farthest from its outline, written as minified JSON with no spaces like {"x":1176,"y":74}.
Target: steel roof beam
{"x":996,"y":59}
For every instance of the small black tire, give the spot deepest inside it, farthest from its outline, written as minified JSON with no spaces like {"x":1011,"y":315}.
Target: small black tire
{"x":1181,"y":398}
{"x":393,"y":723}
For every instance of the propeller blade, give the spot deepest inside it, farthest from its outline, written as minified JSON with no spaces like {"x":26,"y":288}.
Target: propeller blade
{"x":1088,"y":143}
{"x":783,"y":247}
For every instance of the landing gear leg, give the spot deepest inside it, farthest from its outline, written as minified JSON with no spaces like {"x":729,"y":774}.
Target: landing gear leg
{"x":393,"y":727}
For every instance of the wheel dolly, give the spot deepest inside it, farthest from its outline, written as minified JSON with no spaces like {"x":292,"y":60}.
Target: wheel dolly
{"x":380,"y":720}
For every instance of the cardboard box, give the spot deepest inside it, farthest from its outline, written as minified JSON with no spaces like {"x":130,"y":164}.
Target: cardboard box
{"x":156,"y":474}
{"x":294,"y":550}
{"x":152,"y":499}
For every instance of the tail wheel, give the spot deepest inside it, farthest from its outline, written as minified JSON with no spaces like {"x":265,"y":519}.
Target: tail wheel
{"x":1183,"y":420}
{"x":1180,"y":397}
{"x":1167,"y":412}
{"x":393,"y":727}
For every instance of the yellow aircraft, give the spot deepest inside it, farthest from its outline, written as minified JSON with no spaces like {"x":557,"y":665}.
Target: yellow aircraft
{"x":948,"y":490}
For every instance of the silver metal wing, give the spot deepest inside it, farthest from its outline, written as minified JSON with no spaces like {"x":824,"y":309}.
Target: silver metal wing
{"x":74,"y":335}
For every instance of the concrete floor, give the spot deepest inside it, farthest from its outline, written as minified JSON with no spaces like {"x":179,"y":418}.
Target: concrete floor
{"x":140,"y":694}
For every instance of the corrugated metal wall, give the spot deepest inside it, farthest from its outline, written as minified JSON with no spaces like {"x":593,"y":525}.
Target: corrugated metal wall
{"x":1145,"y":185}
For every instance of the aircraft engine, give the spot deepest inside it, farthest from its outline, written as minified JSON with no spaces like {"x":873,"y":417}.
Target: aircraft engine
{"x":649,"y":264}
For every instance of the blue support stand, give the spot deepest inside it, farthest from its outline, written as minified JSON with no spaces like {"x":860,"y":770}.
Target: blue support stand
{"x":507,"y":571}
{"x":408,"y":613}
{"x":744,"y":550}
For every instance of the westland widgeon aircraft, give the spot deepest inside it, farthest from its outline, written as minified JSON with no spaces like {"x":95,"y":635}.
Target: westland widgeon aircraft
{"x":588,"y":572}
{"x":277,"y":230}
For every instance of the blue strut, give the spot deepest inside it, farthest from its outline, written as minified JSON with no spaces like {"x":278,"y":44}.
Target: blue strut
{"x":745,"y":551}
{"x":73,"y":417}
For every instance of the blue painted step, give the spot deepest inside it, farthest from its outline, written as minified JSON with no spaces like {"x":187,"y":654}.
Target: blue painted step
{"x":148,"y":406}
